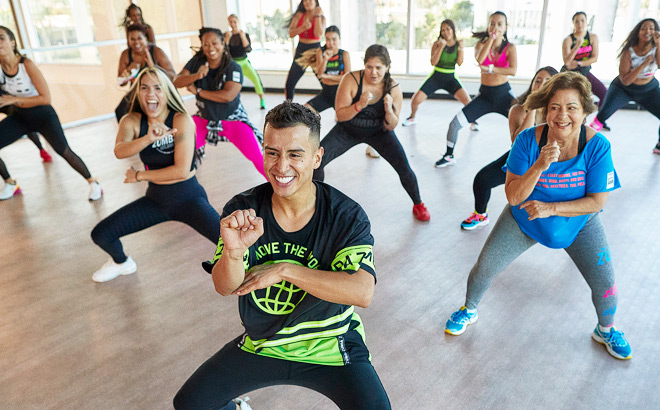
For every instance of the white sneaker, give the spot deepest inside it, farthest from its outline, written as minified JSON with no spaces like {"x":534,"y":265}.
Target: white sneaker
{"x":371,"y":153}
{"x":95,"y":191}
{"x":242,"y":403}
{"x":409,"y":122}
{"x":9,"y":191}
{"x":474,"y":127}
{"x":111,"y":270}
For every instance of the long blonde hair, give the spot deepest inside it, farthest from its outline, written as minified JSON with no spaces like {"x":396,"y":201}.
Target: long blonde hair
{"x":174,"y":101}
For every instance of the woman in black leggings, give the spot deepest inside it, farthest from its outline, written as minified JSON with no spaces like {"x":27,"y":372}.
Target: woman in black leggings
{"x":492,"y":175}
{"x":160,"y":130}
{"x":308,"y":23}
{"x":26,"y":90}
{"x":367,"y":106}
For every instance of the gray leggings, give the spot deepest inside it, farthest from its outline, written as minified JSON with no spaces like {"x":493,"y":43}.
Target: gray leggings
{"x":590,"y":253}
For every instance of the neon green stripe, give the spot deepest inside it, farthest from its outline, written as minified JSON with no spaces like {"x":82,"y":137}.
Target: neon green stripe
{"x":444,"y":70}
{"x":319,"y":324}
{"x":352,"y":257}
{"x":306,"y":336}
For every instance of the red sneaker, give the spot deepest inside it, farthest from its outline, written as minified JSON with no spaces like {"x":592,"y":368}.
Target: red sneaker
{"x":45,"y":156}
{"x":420,"y":212}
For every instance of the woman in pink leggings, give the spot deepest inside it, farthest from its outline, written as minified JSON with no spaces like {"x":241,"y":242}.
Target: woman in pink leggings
{"x":217,"y":80}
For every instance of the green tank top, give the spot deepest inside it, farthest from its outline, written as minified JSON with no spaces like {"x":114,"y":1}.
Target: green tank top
{"x":448,"y":58}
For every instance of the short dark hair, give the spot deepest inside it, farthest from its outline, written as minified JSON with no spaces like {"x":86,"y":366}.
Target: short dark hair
{"x":290,"y":114}
{"x":138,"y":27}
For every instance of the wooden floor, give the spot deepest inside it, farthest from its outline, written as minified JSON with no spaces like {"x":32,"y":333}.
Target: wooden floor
{"x":69,"y":343}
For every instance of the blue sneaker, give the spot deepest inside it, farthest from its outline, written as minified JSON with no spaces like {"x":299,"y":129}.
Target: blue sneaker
{"x":459,"y":321}
{"x":616,"y":344}
{"x":475,"y":220}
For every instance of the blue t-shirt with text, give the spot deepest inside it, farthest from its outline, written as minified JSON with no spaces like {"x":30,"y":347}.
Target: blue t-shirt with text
{"x":591,"y":171}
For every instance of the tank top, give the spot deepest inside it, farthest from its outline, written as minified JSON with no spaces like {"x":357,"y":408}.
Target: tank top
{"x":447,"y":61}
{"x":502,"y":60}
{"x":130,"y":54}
{"x":369,"y":121}
{"x":19,"y":84}
{"x":236,"y":48}
{"x":160,"y":154}
{"x":309,"y":33}
{"x":636,"y":61}
{"x":335,"y":64}
{"x":583,"y":53}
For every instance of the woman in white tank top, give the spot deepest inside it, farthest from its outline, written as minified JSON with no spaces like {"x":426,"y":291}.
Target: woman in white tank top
{"x":26,"y":90}
{"x":638,"y":62}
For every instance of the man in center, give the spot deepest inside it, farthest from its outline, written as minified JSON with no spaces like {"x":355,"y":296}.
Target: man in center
{"x":299,"y":255}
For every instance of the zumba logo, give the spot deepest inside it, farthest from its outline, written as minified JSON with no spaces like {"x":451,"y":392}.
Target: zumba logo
{"x":280,"y":298}
{"x":368,"y":118}
{"x":164,"y":145}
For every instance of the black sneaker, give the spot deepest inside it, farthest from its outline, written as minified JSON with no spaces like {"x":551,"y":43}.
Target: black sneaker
{"x":446,"y":160}
{"x":656,"y":150}
{"x":606,"y":127}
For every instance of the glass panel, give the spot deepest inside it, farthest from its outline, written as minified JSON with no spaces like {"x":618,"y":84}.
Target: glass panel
{"x":613,"y":22}
{"x":61,"y":22}
{"x":391,"y":31}
{"x":7,"y":18}
{"x":267,"y":23}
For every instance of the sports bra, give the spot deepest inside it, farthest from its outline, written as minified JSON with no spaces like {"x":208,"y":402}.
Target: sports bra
{"x":19,"y":84}
{"x":160,"y":154}
{"x":309,"y":33}
{"x":636,"y":61}
{"x":130,"y":54}
{"x":502,"y":60}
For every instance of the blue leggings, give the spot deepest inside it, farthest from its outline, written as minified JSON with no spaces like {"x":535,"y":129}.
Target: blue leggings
{"x":184,"y":201}
{"x":618,"y":95}
{"x":232,"y":372}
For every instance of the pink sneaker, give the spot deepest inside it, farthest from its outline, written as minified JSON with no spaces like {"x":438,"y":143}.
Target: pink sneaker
{"x":595,"y":124}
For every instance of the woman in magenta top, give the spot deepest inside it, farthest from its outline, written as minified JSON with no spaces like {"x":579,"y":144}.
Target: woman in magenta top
{"x":497,"y":59}
{"x":308,"y":23}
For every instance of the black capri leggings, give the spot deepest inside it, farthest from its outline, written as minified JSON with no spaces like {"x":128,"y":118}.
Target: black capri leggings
{"x":42,"y":119}
{"x":184,"y":201}
{"x":232,"y":372}
{"x":340,"y":140}
{"x":296,"y":72}
{"x":489,"y":177}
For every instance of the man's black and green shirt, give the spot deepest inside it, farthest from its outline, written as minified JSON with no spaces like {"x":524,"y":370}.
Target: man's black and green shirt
{"x":284,"y":321}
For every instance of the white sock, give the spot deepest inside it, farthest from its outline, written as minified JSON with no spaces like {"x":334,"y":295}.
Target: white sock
{"x":471,"y":310}
{"x":604,"y":329}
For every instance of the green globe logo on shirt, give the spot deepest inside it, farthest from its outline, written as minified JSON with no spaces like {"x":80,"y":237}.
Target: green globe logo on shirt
{"x":280,"y":298}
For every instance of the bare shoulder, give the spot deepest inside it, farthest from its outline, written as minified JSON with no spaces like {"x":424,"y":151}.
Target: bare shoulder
{"x":590,"y":133}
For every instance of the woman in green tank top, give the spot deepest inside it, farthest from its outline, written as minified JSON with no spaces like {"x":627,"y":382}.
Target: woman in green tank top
{"x":446,"y":53}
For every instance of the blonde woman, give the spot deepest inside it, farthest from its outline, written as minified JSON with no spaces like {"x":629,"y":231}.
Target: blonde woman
{"x":158,"y":129}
